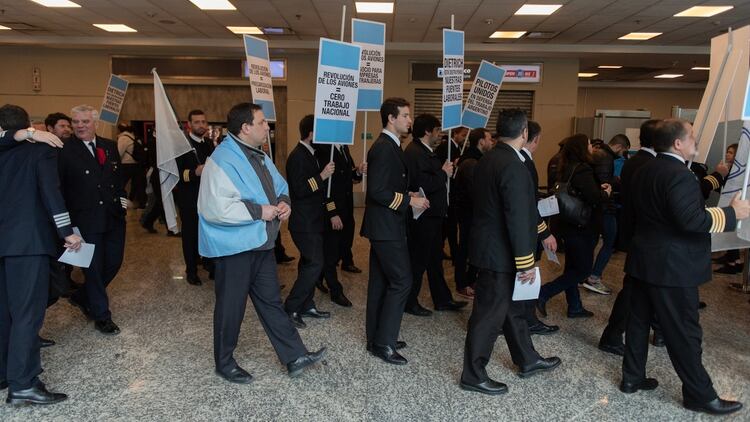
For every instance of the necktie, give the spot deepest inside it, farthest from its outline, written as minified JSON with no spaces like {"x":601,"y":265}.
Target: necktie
{"x":91,"y":148}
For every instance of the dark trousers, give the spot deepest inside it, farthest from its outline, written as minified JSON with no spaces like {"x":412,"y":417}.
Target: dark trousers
{"x":110,"y":248}
{"x":279,"y":250}
{"x":135,"y":174}
{"x":156,"y":209}
{"x":450,"y":231}
{"x":23,"y":300}
{"x":189,"y":230}
{"x":579,"y":256}
{"x":677,"y":310}
{"x":465,"y":273}
{"x":387,"y":290}
{"x":347,"y":236}
{"x":251,"y":273}
{"x":495,"y":311}
{"x":618,"y":318}
{"x":333,"y":246}
{"x":309,"y":268}
{"x":425,"y":252}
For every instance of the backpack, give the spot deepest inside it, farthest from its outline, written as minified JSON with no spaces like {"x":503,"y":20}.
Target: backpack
{"x":139,"y":150}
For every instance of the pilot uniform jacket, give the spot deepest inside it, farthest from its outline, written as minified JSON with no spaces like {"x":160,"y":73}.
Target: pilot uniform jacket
{"x":33,"y":216}
{"x":672,"y":242}
{"x":426,"y":172}
{"x":504,"y":233}
{"x":626,"y":225}
{"x":93,"y":193}
{"x":306,"y":190}
{"x":341,"y":201}
{"x":541,"y":227}
{"x":387,"y":199}
{"x":189,"y":184}
{"x":442,"y":151}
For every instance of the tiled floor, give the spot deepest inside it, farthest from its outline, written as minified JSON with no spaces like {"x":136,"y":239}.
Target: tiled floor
{"x":161,"y":367}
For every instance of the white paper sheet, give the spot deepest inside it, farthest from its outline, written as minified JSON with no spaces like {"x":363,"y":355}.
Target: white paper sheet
{"x":548,"y":206}
{"x":551,"y":255}
{"x":528,"y":291}
{"x":80,"y":258}
{"x":419,"y":211}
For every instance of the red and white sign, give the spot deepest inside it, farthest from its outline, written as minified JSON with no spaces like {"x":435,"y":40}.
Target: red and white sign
{"x":522,"y":73}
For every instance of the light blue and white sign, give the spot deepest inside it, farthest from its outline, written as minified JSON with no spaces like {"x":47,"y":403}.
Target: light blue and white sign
{"x":453,"y":77}
{"x":746,"y":103}
{"x":336,"y":92}
{"x":113,"y":99}
{"x":482,"y":96}
{"x":259,"y":69}
{"x":371,"y":37}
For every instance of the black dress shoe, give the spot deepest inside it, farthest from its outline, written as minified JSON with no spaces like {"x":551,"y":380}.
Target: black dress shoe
{"x":316,"y":313}
{"x":149,"y":229}
{"x":80,"y":306}
{"x":647,"y":384}
{"x":702,"y":305}
{"x":37,"y":394}
{"x":581,"y":313}
{"x":322,"y":287}
{"x":418,"y":310}
{"x":170,"y":234}
{"x":543,"y":329}
{"x":729,"y":269}
{"x":543,"y":364}
{"x":490,"y":387}
{"x":298,"y":366}
{"x":45,"y":342}
{"x":615,"y":349}
{"x":283,"y":259}
{"x":194,"y":280}
{"x":107,"y":327}
{"x":341,"y":300}
{"x":212,"y":274}
{"x":388,"y":354}
{"x":236,"y":375}
{"x":297,"y":320}
{"x":351,"y":268}
{"x":541,"y":306}
{"x":399,"y":345}
{"x":717,"y":406}
{"x":451,"y":305}
{"x":3,"y":385}
{"x":658,"y":339}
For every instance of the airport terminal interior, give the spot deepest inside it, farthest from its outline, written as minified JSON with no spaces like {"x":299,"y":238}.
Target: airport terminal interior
{"x":600,"y":68}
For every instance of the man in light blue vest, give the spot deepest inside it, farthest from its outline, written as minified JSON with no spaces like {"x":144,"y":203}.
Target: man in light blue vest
{"x":241,"y":204}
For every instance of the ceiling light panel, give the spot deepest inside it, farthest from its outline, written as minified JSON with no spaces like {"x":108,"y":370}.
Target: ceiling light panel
{"x":703,"y":11}
{"x":507,"y":34}
{"x":213,"y":4}
{"x":4,"y":28}
{"x":668,"y":76}
{"x":117,"y":27}
{"x":700,"y":68}
{"x":607,"y":66}
{"x":587,"y":74}
{"x":639,"y":36}
{"x":538,"y":9}
{"x":245,"y":30}
{"x":56,"y":3}
{"x":374,"y":7}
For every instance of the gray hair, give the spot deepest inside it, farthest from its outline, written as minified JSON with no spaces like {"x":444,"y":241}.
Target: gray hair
{"x":83,"y":108}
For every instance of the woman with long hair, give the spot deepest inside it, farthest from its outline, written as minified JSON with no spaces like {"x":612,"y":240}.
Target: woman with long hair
{"x":580,"y":240}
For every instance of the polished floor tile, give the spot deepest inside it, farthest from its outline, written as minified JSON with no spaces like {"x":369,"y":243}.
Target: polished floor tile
{"x":161,"y":366}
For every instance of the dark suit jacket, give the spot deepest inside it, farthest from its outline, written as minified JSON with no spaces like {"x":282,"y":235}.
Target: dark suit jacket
{"x":7,"y":138}
{"x":341,"y":201}
{"x":387,"y":199}
{"x":503,"y":236}
{"x":93,"y":194}
{"x":461,"y":189}
{"x":33,"y":216}
{"x":442,"y":151}
{"x":626,"y":226}
{"x":425,"y":171}
{"x":306,"y":191}
{"x":672,"y":245}
{"x":541,"y":226}
{"x":189,"y":184}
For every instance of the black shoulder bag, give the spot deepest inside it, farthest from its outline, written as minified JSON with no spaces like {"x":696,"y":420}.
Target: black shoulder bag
{"x":572,"y":208}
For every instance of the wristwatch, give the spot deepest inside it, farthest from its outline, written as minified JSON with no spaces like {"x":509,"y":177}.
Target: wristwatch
{"x":30,"y":133}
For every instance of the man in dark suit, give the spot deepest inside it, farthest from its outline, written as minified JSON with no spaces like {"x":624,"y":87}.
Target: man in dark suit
{"x":386,"y":210}
{"x":307,"y":192}
{"x":669,"y":257}
{"x":92,"y":187}
{"x":429,"y":173}
{"x":544,"y":237}
{"x":339,"y":223}
{"x":450,"y":227}
{"x":190,"y":166}
{"x":611,"y":340}
{"x":503,"y":241}
{"x":32,"y":227}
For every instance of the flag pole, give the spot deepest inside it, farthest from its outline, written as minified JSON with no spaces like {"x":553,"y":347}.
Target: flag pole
{"x":450,"y":137}
{"x":364,"y":153}
{"x":343,"y":28}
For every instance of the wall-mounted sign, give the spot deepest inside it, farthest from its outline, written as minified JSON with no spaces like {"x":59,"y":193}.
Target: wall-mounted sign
{"x":514,"y":73}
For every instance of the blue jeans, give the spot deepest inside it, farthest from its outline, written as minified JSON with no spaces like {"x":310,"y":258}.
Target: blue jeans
{"x":609,"y":234}
{"x":579,"y":254}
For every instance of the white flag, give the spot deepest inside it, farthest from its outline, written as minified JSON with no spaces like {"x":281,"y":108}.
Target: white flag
{"x":170,"y":144}
{"x":735,"y":179}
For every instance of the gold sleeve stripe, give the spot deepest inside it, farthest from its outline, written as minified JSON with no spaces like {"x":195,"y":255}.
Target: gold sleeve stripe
{"x":525,"y":266}
{"x":711,"y":179}
{"x":541,"y":227}
{"x":525,"y":262}
{"x":718,"y":220}
{"x":398,"y":198}
{"x":186,"y":176}
{"x":525,"y":258}
{"x":331,"y":206}
{"x":313,"y":184}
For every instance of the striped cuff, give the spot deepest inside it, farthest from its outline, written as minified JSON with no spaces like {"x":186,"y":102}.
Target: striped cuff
{"x":62,"y":219}
{"x":718,"y":220}
{"x":398,"y":198}
{"x":713,"y":181}
{"x":186,"y":176}
{"x":124,"y":202}
{"x":541,"y":227}
{"x":523,"y":263}
{"x":331,"y":206}
{"x":313,"y":184}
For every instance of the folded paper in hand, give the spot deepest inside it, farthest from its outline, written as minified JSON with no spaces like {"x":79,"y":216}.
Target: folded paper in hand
{"x":418,"y":211}
{"x":527,"y":291}
{"x":548,"y":206}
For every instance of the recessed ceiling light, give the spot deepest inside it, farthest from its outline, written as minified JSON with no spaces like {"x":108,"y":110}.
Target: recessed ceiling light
{"x":668,"y":76}
{"x":605,"y":66}
{"x":116,"y":27}
{"x":245,"y":30}
{"x":213,"y":4}
{"x":56,"y":3}
{"x":703,"y":11}
{"x":640,"y":36}
{"x":374,"y":7}
{"x":3,"y":28}
{"x":507,"y":34}
{"x":700,"y":68}
{"x":538,"y":9}
{"x":586,"y":74}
